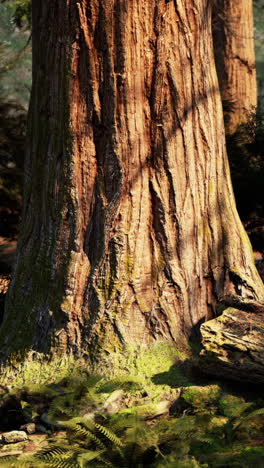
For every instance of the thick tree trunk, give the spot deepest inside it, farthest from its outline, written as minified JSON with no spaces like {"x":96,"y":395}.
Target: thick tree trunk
{"x":233,"y":37}
{"x":130,"y":233}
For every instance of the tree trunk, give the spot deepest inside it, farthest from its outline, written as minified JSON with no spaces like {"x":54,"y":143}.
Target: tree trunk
{"x":130,"y":233}
{"x":233,"y":37}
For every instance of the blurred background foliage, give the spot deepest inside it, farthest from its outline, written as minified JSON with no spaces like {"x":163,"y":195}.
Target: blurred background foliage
{"x":245,"y":147}
{"x":15,"y":51}
{"x":259,"y":49}
{"x":15,"y":84}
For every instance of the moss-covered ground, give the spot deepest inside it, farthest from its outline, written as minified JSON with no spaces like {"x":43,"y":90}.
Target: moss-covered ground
{"x":161,"y":412}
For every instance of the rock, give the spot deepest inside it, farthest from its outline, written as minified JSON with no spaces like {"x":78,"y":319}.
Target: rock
{"x":114,"y":402}
{"x":15,"y":447}
{"x":89,"y":416}
{"x":160,"y":409}
{"x":30,"y":428}
{"x":234,"y":346}
{"x":14,"y":436}
{"x":154,"y":410}
{"x":12,"y":453}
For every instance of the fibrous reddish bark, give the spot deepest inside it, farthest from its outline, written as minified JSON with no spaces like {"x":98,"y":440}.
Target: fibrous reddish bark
{"x":233,"y":37}
{"x":130,"y":232}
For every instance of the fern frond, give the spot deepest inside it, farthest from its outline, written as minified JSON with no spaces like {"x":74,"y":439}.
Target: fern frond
{"x":103,"y":462}
{"x":93,"y":381}
{"x":65,"y":462}
{"x":108,"y":434}
{"x":89,"y":455}
{"x":81,"y":430}
{"x":41,"y":390}
{"x":97,"y":441}
{"x":53,"y":451}
{"x":78,"y":431}
{"x":204,"y":439}
{"x":126,"y":419}
{"x":59,"y":457}
{"x":184,"y":426}
{"x":29,"y":461}
{"x":252,"y":415}
{"x":88,"y":429}
{"x":63,"y":405}
{"x":8,"y":461}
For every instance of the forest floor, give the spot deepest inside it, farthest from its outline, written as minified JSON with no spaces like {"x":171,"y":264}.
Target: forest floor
{"x":177,"y":418}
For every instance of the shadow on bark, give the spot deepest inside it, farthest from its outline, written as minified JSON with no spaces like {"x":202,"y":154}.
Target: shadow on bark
{"x":158,"y":156}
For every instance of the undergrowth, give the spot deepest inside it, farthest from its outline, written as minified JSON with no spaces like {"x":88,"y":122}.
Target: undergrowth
{"x":95,"y":421}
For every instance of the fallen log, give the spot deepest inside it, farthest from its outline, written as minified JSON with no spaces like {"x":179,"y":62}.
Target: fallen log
{"x":233,"y":346}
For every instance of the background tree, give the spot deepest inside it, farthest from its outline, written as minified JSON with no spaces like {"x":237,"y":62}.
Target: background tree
{"x":233,"y":35}
{"x":130,"y":232}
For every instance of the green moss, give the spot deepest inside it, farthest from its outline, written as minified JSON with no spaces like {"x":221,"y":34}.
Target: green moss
{"x":129,"y":263}
{"x":217,"y":422}
{"x":128,"y":384}
{"x":153,"y":368}
{"x":141,"y":411}
{"x":201,"y":397}
{"x":157,"y":358}
{"x":201,"y":439}
{"x":145,"y":361}
{"x":36,"y":369}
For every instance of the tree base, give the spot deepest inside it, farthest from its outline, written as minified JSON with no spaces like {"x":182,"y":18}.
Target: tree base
{"x":146,"y":362}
